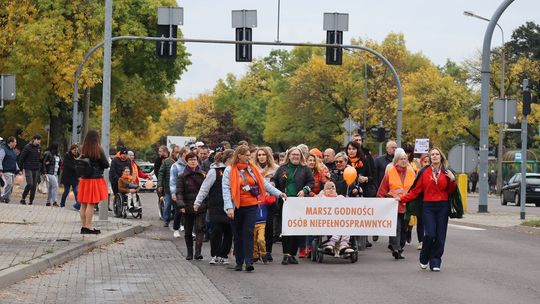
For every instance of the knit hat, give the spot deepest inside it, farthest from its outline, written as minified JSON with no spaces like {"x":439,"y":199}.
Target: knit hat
{"x":316,"y":152}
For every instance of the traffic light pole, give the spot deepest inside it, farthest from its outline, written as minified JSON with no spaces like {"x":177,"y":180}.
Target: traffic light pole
{"x":276,"y":43}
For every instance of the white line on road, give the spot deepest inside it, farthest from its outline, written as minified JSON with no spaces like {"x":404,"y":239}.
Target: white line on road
{"x":466,"y":227}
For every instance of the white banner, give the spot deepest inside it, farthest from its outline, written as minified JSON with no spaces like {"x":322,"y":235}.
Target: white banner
{"x":339,"y":216}
{"x":421,"y":145}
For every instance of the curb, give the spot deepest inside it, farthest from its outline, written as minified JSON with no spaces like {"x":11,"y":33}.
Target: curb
{"x":20,"y":272}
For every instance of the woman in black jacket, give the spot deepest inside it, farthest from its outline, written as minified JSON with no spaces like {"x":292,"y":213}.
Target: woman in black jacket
{"x":187,"y":187}
{"x":51,"y":168}
{"x":364,"y":165}
{"x":294,"y":179}
{"x":211,"y":190}
{"x":69,"y":176}
{"x":92,"y":189}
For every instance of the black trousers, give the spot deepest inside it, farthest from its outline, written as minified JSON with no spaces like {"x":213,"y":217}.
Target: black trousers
{"x":269,"y":229}
{"x":221,"y":239}
{"x":291,"y":242}
{"x":197,"y":220}
{"x":32,"y":180}
{"x":177,"y":217}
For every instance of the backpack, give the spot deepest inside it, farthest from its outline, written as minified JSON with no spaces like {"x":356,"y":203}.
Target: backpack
{"x":83,"y":167}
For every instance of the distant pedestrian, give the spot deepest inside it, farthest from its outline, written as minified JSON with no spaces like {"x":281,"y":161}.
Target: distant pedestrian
{"x":474,"y":180}
{"x":30,"y":161}
{"x":70,"y":180}
{"x":177,"y":169}
{"x":436,"y":183}
{"x":492,"y":181}
{"x":92,"y":189}
{"x":383,"y":161}
{"x":8,"y":167}
{"x":51,"y":166}
{"x":163,"y":186}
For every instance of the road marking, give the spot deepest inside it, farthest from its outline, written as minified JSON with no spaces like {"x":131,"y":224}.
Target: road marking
{"x":466,"y":227}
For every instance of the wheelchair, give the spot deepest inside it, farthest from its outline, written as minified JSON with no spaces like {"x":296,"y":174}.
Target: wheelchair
{"x":318,"y":252}
{"x":121,"y":208}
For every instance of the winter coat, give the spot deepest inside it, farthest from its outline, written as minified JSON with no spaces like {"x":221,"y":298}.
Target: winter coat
{"x":187,"y":187}
{"x":164,"y":175}
{"x":30,"y":158}
{"x":303,"y":179}
{"x":49,"y":163}
{"x":69,"y":176}
{"x":380,"y":167}
{"x":99,"y":165}
{"x":117,"y":169}
{"x":211,"y":194}
{"x":8,"y":159}
{"x":176,"y":170}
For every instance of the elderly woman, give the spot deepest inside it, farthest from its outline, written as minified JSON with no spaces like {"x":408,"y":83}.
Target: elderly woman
{"x":397,"y":180}
{"x":296,"y":180}
{"x":436,"y":183}
{"x":243,"y":189}
{"x":336,"y":176}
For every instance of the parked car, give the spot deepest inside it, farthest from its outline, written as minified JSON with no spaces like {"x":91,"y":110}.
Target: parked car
{"x":147,"y":168}
{"x":511,"y":191}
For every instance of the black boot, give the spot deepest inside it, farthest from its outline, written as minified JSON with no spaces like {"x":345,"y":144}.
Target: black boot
{"x":189,"y":255}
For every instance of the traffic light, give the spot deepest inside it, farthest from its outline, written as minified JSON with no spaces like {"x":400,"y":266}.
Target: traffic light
{"x":243,"y":51}
{"x":334,"y":55}
{"x":166,"y":49}
{"x":381,"y":134}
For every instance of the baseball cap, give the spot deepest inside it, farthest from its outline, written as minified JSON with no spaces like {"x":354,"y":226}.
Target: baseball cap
{"x":123,"y":151}
{"x":199,"y":144}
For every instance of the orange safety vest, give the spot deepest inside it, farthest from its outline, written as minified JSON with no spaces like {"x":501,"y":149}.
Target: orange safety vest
{"x":397,"y":187}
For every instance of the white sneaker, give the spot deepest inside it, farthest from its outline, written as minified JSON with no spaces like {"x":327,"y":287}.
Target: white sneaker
{"x":176,"y":234}
{"x":436,"y":269}
{"x":214,"y":261}
{"x":423,"y":266}
{"x":225,"y":261}
{"x":181,"y":228}
{"x":419,"y":246}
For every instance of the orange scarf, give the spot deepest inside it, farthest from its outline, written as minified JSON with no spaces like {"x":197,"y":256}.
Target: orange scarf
{"x":356,"y":162}
{"x":236,"y":181}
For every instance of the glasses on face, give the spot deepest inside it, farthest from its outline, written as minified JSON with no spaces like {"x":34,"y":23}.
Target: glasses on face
{"x":339,"y":161}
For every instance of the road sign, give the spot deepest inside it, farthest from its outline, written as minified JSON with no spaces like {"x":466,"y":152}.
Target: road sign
{"x":463,"y":158}
{"x":421,"y":145}
{"x":517,"y":157}
{"x":350,"y":125}
{"x":505,"y":111}
{"x":7,"y":88}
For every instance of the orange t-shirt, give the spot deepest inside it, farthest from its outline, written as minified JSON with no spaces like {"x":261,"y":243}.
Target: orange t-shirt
{"x":246,"y":198}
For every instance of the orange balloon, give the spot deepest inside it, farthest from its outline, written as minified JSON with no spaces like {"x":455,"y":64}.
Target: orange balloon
{"x":149,"y":184}
{"x":19,"y":180}
{"x":349,"y":175}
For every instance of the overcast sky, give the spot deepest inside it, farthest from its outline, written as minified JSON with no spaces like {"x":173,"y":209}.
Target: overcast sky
{"x":436,"y":28}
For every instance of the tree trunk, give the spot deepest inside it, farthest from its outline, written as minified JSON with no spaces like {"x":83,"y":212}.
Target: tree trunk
{"x":57,"y":130}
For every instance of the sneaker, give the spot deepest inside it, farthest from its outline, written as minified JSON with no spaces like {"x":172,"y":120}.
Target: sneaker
{"x":30,"y":203}
{"x":349,"y":250}
{"x":255,"y":259}
{"x":238,"y":267}
{"x":419,"y":246}
{"x":181,"y":228}
{"x":250,"y":268}
{"x":176,"y":234}
{"x":285,"y":260}
{"x":48,"y":204}
{"x":264,"y":259}
{"x":423,"y":266}
{"x":436,"y":269}
{"x":329,"y":248}
{"x":225,"y":261}
{"x":55,"y":204}
{"x":23,"y":202}
{"x":269,"y":257}
{"x":166,"y":224}
{"x":214,"y":261}
{"x":293,"y":260}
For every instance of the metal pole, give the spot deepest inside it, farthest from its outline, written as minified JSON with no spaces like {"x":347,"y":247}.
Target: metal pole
{"x":502,"y":126}
{"x":106,"y":107}
{"x":278,"y":13}
{"x":484,"y":107}
{"x":365,"y":95}
{"x":523,"y":187}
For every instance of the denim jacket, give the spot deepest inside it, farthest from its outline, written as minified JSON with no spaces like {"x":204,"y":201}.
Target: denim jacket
{"x":226,"y":186}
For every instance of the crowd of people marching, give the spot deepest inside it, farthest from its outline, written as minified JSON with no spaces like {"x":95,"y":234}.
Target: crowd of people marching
{"x":236,"y":195}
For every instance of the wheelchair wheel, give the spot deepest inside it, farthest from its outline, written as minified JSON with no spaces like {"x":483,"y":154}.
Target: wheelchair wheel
{"x":117,"y":205}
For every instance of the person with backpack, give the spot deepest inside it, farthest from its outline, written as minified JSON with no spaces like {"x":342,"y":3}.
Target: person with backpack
{"x":51,"y":168}
{"x":92,"y":186}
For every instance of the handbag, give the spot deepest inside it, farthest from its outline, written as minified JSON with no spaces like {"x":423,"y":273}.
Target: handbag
{"x":455,"y":205}
{"x":43,"y":186}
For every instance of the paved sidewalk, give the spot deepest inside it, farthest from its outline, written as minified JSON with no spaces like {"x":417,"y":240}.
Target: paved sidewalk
{"x":141,"y":269}
{"x":35,"y":238}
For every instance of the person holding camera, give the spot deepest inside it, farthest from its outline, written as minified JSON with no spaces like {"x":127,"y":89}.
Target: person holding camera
{"x":244,"y":188}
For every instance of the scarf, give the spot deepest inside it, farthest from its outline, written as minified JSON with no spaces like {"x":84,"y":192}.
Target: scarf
{"x":356,"y":162}
{"x":236,"y":181}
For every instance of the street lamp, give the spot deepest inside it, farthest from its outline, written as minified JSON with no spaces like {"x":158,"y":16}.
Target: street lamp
{"x":501,"y":96}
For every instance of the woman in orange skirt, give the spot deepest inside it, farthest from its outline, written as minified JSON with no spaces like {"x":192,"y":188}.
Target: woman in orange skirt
{"x":92,"y":189}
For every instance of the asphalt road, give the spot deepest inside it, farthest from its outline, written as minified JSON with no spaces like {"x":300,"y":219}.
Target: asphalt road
{"x":494,"y":205}
{"x":479,"y":266}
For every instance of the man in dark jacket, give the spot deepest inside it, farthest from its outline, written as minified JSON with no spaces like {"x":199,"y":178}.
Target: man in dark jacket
{"x":117,"y":168}
{"x":30,"y":161}
{"x":8,"y":168}
{"x":163,"y":153}
{"x":382,"y":161}
{"x":163,"y":184}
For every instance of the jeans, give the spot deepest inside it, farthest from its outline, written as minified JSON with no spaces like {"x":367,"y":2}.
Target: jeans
{"x":8,"y":186}
{"x":435,"y":218}
{"x":52,"y":192}
{"x":244,"y":223}
{"x":167,"y":207}
{"x":221,"y":240}
{"x":67,"y":186}
{"x":32,"y":180}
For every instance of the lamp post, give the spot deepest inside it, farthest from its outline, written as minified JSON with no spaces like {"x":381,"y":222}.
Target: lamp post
{"x":502,"y":126}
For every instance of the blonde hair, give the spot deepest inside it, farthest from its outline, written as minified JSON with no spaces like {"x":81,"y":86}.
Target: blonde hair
{"x":302,"y":157}
{"x":444,"y":162}
{"x":317,"y":168}
{"x":269,"y":157}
